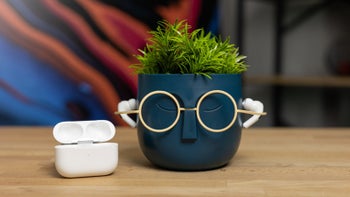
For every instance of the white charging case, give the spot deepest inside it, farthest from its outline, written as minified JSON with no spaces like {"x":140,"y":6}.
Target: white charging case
{"x":84,"y":150}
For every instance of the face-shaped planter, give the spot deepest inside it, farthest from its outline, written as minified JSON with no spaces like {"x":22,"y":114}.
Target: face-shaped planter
{"x":187,"y":121}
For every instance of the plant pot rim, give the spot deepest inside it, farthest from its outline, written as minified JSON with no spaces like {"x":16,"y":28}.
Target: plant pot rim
{"x":189,"y":74}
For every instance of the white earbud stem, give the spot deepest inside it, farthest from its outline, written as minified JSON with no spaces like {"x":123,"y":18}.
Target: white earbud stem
{"x":123,"y":106}
{"x":255,"y":106}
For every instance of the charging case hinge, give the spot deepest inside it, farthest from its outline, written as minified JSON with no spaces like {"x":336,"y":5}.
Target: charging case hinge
{"x":85,"y":142}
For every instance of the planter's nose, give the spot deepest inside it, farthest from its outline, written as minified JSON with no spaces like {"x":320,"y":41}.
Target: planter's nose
{"x":189,"y":129}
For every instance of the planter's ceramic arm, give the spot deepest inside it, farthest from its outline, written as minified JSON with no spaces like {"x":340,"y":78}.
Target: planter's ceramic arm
{"x":127,"y":106}
{"x":255,"y":106}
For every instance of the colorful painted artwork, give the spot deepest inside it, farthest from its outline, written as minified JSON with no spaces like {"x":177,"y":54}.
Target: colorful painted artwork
{"x":69,"y":59}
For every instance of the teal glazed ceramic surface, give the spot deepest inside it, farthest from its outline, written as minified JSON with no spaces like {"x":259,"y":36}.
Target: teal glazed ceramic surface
{"x":189,"y":146}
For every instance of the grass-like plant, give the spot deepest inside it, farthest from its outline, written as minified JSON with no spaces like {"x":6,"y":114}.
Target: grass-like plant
{"x":173,"y":48}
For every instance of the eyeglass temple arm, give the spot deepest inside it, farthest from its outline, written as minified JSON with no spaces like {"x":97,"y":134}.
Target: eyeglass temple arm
{"x":253,"y":107}
{"x":251,"y":112}
{"x":125,"y":108}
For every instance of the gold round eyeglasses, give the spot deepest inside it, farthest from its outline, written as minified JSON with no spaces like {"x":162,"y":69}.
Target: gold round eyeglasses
{"x":179,"y":109}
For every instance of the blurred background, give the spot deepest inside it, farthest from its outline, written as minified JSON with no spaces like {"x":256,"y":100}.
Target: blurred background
{"x":299,"y":53}
{"x":69,"y":59}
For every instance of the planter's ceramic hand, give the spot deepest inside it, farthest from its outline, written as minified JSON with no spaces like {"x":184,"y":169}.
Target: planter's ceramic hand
{"x":255,"y":106}
{"x":129,"y":105}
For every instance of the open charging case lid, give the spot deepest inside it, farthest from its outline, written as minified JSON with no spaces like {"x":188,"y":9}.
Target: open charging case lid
{"x":84,"y":150}
{"x":75,"y":132}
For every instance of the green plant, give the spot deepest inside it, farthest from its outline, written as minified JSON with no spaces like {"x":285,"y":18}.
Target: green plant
{"x":174,"y":49}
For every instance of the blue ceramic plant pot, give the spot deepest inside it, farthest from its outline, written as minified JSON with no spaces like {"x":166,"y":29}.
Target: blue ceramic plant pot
{"x":186,"y":144}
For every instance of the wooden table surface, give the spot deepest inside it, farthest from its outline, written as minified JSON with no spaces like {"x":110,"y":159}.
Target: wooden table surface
{"x":270,"y":162}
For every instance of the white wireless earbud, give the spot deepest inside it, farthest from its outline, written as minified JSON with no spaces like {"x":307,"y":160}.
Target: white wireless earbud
{"x":255,"y":106}
{"x":129,"y":105}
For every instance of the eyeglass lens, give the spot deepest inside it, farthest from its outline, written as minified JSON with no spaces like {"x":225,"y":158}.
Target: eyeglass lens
{"x":159,"y":111}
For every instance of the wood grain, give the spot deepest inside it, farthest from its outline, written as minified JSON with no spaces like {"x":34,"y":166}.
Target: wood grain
{"x":277,"y":162}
